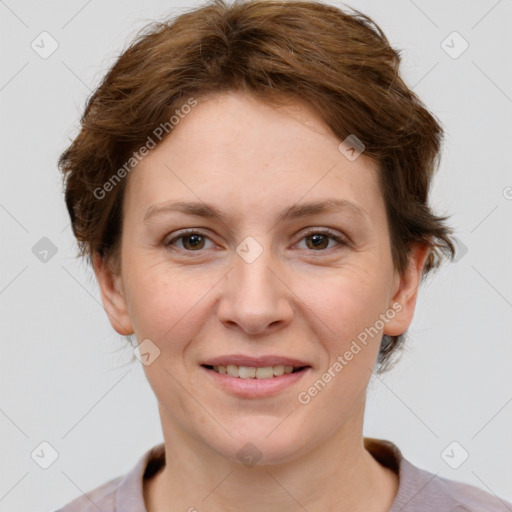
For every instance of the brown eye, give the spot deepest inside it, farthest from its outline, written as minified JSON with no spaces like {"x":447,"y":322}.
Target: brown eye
{"x":192,"y":241}
{"x":319,"y":240}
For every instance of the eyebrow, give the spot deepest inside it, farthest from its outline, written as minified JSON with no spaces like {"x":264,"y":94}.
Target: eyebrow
{"x":295,"y":211}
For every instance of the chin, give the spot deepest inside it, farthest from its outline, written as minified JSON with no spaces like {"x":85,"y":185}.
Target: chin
{"x":258,"y":441}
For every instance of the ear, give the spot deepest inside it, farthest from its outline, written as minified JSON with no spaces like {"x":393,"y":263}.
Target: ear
{"x":406,"y":291}
{"x":112,"y":295}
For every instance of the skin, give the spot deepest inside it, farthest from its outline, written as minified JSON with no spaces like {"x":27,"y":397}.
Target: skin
{"x":251,"y":161}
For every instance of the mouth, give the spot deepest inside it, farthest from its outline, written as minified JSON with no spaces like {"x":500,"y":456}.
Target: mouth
{"x":254,"y":372}
{"x":255,"y":377}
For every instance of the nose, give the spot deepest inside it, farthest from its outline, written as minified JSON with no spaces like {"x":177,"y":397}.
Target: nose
{"x":255,"y":297}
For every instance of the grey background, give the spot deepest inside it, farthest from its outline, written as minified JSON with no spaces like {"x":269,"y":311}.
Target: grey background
{"x":68,"y":379}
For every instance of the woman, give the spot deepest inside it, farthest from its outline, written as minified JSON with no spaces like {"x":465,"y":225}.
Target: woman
{"x":250,"y":185}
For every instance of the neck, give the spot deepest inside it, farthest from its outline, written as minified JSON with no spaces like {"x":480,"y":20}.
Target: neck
{"x":340,"y":474}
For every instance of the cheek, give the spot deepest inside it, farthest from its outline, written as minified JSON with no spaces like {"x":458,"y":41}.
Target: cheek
{"x":348,"y":308}
{"x":165,"y":304}
{"x":349,"y":301}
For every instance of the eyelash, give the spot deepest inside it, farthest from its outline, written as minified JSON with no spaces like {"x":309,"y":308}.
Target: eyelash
{"x":333,"y":236}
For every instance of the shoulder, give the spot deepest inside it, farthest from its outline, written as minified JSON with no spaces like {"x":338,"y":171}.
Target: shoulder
{"x":427,"y":491}
{"x":102,"y":498}
{"x":441,"y":493}
{"x":123,"y":493}
{"x":420,"y":490}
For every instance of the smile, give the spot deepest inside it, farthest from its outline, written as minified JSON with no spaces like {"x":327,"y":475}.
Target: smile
{"x":250,"y":372}
{"x":255,"y":381}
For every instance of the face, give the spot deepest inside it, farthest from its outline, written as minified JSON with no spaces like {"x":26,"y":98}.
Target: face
{"x":291,"y":270}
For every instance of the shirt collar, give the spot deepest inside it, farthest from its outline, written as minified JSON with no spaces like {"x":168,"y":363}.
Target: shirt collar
{"x":130,"y":493}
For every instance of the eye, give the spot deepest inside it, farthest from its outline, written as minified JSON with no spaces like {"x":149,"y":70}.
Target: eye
{"x":319,"y":238}
{"x":193,"y":241}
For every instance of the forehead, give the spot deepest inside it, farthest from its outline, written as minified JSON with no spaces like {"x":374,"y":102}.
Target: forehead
{"x":234,"y":150}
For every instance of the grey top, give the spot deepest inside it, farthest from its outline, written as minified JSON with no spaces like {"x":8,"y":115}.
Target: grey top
{"x":418,"y":490}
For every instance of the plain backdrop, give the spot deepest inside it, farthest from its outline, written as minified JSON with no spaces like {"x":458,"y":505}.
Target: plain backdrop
{"x":68,"y":379}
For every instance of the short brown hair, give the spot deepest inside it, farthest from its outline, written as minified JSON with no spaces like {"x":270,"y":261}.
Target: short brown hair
{"x":341,"y":62}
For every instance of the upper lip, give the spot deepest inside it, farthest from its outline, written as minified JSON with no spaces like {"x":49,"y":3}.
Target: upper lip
{"x":257,"y":362}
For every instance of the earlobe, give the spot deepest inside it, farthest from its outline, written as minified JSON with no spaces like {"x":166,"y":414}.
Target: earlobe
{"x":407,"y":285}
{"x":112,"y":295}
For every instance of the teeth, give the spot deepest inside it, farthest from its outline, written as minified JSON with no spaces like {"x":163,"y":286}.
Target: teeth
{"x":232,"y":370}
{"x":264,"y":373}
{"x":244,"y":372}
{"x":248,"y":372}
{"x":278,"y":370}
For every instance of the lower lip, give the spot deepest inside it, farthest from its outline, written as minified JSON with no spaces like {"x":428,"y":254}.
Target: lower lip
{"x":255,"y":388}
